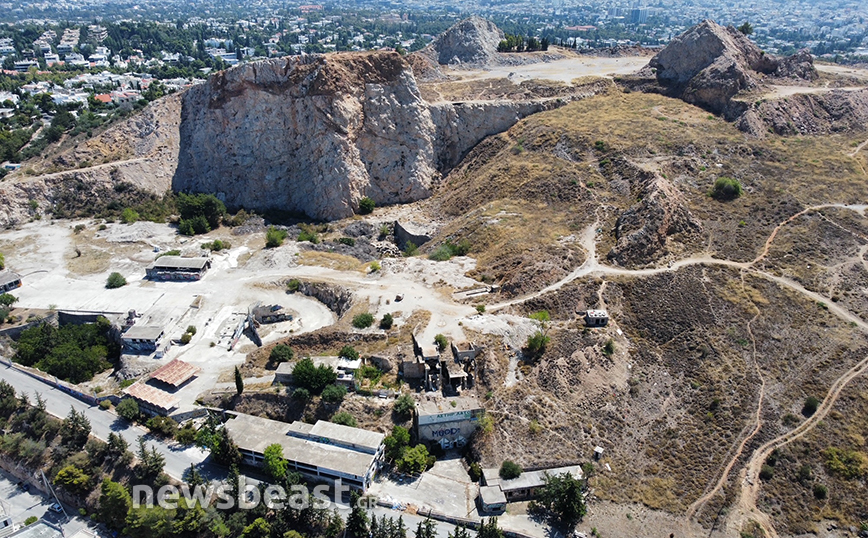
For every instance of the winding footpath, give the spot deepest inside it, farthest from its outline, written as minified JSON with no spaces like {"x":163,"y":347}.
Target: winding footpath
{"x":746,"y":507}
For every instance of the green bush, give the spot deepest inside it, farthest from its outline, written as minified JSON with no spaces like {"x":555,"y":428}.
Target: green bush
{"x":217,"y":245}
{"x":449,"y":249}
{"x":480,"y":308}
{"x":363,"y":321}
{"x":404,"y":405}
{"x":7,"y":300}
{"x":187,"y":435}
{"x":334,"y":394}
{"x":348,"y":241}
{"x":509,"y":470}
{"x":186,"y":338}
{"x":301,"y":394}
{"x":441,"y":342}
{"x":163,"y":426}
{"x":387,"y":322}
{"x":128,"y":409}
{"x":410,"y":249}
{"x":194,"y":226}
{"x":115,"y":280}
{"x":820,"y":491}
{"x":366,"y":205}
{"x":536,"y":343}
{"x":274,"y":237}
{"x":196,"y":207}
{"x":313,"y":378}
{"x":414,"y":460}
{"x":847,"y":464}
{"x":293,"y":285}
{"x":348,"y":352}
{"x":105,"y":405}
{"x":129,"y":216}
{"x":726,"y":188}
{"x":811,"y":405}
{"x":609,"y":348}
{"x":766,"y":473}
{"x":30,"y":520}
{"x":308,"y":233}
{"x":281,"y":353}
{"x":191,"y":329}
{"x":344,"y":418}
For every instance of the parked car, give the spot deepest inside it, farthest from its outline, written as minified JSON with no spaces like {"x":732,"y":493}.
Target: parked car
{"x":56,"y":508}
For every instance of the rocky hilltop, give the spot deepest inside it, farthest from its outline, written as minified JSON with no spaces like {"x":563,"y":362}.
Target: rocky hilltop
{"x":315,"y":134}
{"x":471,"y":41}
{"x":709,"y":64}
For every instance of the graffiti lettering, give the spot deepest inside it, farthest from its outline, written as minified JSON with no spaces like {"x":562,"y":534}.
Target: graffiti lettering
{"x":444,"y":432}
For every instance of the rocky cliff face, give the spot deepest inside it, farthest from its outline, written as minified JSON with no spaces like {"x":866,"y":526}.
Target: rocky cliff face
{"x":709,"y":64}
{"x":806,"y":113}
{"x":472,"y":41}
{"x":310,"y":134}
{"x":315,"y":134}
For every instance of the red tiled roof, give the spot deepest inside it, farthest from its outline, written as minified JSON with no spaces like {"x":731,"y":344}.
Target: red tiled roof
{"x":152,"y":396}
{"x":103,"y":98}
{"x":174,"y":373}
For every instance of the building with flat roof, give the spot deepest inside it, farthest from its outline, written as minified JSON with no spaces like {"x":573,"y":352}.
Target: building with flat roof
{"x":151,"y":400}
{"x":596,"y":318}
{"x":9,"y":281}
{"x":525,"y":486}
{"x":142,"y":338}
{"x":491,"y":499}
{"x":448,"y":421}
{"x":345,"y":368}
{"x":40,"y":529}
{"x":323,"y":451}
{"x":178,"y":268}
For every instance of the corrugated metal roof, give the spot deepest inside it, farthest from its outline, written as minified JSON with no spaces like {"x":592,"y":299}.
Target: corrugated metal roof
{"x":175,"y":373}
{"x":152,"y":396}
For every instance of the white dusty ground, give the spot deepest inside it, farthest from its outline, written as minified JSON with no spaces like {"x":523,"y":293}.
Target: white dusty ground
{"x":565,"y":70}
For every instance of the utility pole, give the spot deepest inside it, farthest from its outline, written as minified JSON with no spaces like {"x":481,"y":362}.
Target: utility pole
{"x":51,"y":490}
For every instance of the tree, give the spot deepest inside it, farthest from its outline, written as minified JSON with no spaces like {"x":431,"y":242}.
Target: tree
{"x":224,"y":449}
{"x":115,"y":280}
{"x":313,"y":378}
{"x":441,"y":342}
{"x":363,"y":321}
{"x":414,"y":460}
{"x":114,"y":504}
{"x":386,"y":322}
{"x":746,"y":28}
{"x":128,"y":409}
{"x":426,"y":529}
{"x":73,"y":479}
{"x":536,"y":344}
{"x":404,"y":405}
{"x":726,"y":188}
{"x":274,"y":237}
{"x":396,"y":442}
{"x":258,"y":529}
{"x":344,"y":418}
{"x":357,"y":522}
{"x":201,"y":209}
{"x":563,"y":497}
{"x":2,"y":261}
{"x":281,"y":353}
{"x":510,"y":470}
{"x":275,"y":464}
{"x":811,"y":405}
{"x":348,"y":352}
{"x":334,"y":394}
{"x":489,"y":529}
{"x":459,"y":532}
{"x":74,"y":429}
{"x":7,"y":299}
{"x":239,"y":382}
{"x":151,"y":463}
{"x":366,"y":205}
{"x":301,"y":394}
{"x":129,"y":216}
{"x":116,"y":446}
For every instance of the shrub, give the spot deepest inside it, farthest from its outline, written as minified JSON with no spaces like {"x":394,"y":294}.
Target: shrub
{"x":366,"y":205}
{"x":199,"y":209}
{"x":217,"y":245}
{"x":344,"y":418}
{"x":105,"y":405}
{"x":415,"y":460}
{"x":847,"y":464}
{"x":30,"y":520}
{"x":811,"y":405}
{"x":313,"y":378}
{"x":449,"y":249}
{"x":385,"y":230}
{"x":404,"y":405}
{"x":293,"y":285}
{"x":374,"y":266}
{"x":509,"y":470}
{"x":410,"y":249}
{"x":7,"y":299}
{"x":301,"y":394}
{"x":386,"y":322}
{"x":363,"y":321}
{"x":480,"y":308}
{"x":194,"y":226}
{"x":348,"y":352}
{"x":191,"y":329}
{"x":609,"y":348}
{"x":163,"y":426}
{"x":348,"y":241}
{"x":129,"y":216}
{"x":766,"y":473}
{"x":440,"y":254}
{"x":308,"y":233}
{"x":115,"y":280}
{"x":334,"y":393}
{"x":820,"y":491}
{"x":274,"y":237}
{"x":726,"y":188}
{"x":441,"y":342}
{"x":536,"y":343}
{"x":2,"y":261}
{"x":475,"y":471}
{"x":185,"y":338}
{"x":128,"y":409}
{"x":187,"y":435}
{"x":281,"y":353}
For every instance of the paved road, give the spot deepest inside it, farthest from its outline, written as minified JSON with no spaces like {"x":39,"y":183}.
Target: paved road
{"x":178,"y":459}
{"x":19,"y":505}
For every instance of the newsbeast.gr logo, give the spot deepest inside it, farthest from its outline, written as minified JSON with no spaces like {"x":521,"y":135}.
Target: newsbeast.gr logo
{"x":244,"y":496}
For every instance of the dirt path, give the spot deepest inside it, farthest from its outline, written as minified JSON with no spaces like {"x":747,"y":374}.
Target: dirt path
{"x":859,"y":148}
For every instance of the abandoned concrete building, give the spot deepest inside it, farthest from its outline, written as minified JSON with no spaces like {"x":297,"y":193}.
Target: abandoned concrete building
{"x":447,"y":421}
{"x":323,"y":451}
{"x":345,"y":368}
{"x":152,"y":401}
{"x":596,"y":318}
{"x":271,"y":314}
{"x":525,"y":487}
{"x":9,"y":281}
{"x":178,"y":268}
{"x":142,"y":339}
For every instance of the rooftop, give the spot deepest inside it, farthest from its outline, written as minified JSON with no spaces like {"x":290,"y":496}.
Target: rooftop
{"x":40,"y":529}
{"x":175,"y":373}
{"x":8,"y":276}
{"x":492,"y":495}
{"x":256,"y":433}
{"x":527,"y":479}
{"x":435,"y":405}
{"x":143,"y":332}
{"x":347,"y":434}
{"x":152,"y":396}
{"x":177,"y":262}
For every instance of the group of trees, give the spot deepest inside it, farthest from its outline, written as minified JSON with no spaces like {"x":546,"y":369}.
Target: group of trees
{"x":518,"y":43}
{"x":74,"y":353}
{"x":411,"y":460}
{"x":200,"y":213}
{"x":313,"y":378}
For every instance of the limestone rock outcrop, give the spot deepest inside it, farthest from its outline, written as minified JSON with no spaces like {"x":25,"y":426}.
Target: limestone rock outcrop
{"x":709,"y":64}
{"x":472,"y":41}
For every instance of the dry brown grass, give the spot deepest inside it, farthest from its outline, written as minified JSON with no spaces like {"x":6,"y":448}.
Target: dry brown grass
{"x":331,"y":260}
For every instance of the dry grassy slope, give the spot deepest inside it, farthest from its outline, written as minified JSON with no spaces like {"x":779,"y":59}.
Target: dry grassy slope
{"x":656,"y":160}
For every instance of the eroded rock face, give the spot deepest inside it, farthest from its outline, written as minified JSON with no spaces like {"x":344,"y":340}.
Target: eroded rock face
{"x":709,"y":64}
{"x":807,"y":113}
{"x":311,"y":134}
{"x":471,"y":41}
